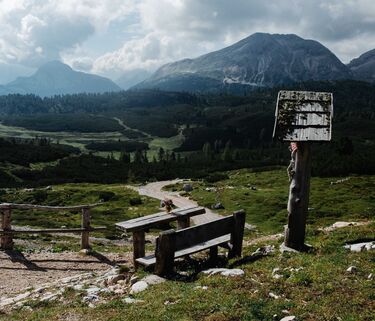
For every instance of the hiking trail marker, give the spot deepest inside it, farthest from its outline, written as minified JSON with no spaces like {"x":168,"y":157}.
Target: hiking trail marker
{"x":302,"y":117}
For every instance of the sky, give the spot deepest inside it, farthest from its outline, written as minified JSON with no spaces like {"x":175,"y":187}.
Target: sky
{"x":116,"y":37}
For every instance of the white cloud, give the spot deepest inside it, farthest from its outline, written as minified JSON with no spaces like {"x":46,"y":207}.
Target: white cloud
{"x":34,"y":31}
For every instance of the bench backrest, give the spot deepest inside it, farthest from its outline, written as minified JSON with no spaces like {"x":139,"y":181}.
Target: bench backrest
{"x":198,"y":234}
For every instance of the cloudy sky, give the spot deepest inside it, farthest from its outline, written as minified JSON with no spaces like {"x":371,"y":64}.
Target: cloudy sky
{"x":113,"y":37}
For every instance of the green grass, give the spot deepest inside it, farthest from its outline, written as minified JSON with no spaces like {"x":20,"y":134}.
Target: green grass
{"x":115,"y":207}
{"x":321,"y":290}
{"x":265,"y":207}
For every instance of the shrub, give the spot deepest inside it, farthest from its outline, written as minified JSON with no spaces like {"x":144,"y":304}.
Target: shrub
{"x":106,"y":196}
{"x":135,"y":201}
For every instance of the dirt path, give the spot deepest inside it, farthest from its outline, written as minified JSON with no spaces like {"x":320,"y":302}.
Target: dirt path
{"x":20,"y":271}
{"x":121,"y":123}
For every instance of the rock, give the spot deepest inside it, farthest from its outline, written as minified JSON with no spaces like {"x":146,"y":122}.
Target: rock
{"x":138,"y":287}
{"x":93,"y":290}
{"x":131,"y":300}
{"x":49,"y":297}
{"x":276,"y":275}
{"x":224,"y":272}
{"x":289,"y":318}
{"x":90,"y":298}
{"x":352,"y":269}
{"x":153,"y":279}
{"x":218,"y":206}
{"x":273,"y":296}
{"x":85,"y":251}
{"x":114,"y":279}
{"x":200,"y":287}
{"x":187,"y":187}
{"x":134,"y":279}
{"x":283,"y":248}
{"x":359,"y":247}
{"x":370,"y":276}
{"x":337,"y":225}
{"x":78,"y":287}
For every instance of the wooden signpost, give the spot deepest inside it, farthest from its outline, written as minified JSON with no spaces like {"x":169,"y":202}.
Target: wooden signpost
{"x":302,"y":117}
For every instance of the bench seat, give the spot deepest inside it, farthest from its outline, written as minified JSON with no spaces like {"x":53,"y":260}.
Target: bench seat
{"x":222,"y":240}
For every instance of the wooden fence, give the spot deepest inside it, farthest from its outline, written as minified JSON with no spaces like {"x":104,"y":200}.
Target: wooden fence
{"x":7,"y":232}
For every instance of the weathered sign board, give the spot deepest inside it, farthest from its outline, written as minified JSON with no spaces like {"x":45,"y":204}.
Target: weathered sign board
{"x":303,"y":116}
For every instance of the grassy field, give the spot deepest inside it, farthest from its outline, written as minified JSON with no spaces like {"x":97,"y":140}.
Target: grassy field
{"x":264,"y":196}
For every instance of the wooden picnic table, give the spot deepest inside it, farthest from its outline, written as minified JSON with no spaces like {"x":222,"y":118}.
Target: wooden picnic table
{"x":140,"y":225}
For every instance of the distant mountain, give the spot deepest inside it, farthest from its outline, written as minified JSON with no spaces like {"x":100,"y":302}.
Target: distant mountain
{"x":56,"y":78}
{"x":363,"y":67}
{"x":260,"y":60}
{"x":133,"y":77}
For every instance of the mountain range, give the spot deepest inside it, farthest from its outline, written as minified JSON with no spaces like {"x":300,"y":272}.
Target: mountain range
{"x":56,"y":78}
{"x":260,"y":60}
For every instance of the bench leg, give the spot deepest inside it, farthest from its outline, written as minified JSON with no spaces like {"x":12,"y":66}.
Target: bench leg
{"x":213,"y":254}
{"x":138,"y":246}
{"x":237,"y":234}
{"x":164,"y":253}
{"x":183,"y":222}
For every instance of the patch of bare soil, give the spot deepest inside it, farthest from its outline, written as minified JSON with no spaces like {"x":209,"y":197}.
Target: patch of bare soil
{"x":20,"y":271}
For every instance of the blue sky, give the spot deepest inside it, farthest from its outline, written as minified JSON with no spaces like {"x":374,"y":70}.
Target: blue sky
{"x":113,"y":37}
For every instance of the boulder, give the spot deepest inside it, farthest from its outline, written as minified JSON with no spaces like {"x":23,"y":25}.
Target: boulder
{"x":218,"y":206}
{"x":153,"y":279}
{"x":138,"y":287}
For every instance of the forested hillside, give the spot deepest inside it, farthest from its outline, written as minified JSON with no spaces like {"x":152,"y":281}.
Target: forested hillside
{"x":216,"y":132}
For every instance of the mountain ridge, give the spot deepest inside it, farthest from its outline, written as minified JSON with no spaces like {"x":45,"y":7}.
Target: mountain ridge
{"x":57,"y":78}
{"x":260,"y":60}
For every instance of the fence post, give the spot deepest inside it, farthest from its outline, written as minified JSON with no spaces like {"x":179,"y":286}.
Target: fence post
{"x":85,"y":243}
{"x":164,"y":253}
{"x":6,"y":239}
{"x":237,"y":233}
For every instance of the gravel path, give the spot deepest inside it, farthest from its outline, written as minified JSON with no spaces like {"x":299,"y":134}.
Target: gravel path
{"x":155,"y":190}
{"x":20,"y":271}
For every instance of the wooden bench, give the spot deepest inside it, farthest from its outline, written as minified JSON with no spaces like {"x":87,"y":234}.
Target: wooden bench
{"x":226,"y":232}
{"x":140,"y":225}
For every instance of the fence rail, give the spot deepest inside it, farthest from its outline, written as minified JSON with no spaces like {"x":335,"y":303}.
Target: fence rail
{"x":7,"y":232}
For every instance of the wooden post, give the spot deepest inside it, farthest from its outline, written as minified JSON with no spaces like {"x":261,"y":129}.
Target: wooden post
{"x":183,"y":222}
{"x":6,"y":239}
{"x":213,"y":254}
{"x":85,"y":242}
{"x":138,"y":246}
{"x":299,"y":198}
{"x":237,"y":233}
{"x":164,"y":253}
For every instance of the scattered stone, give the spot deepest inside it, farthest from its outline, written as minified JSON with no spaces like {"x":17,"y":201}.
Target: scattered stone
{"x":200,"y":287}
{"x":85,"y":251}
{"x":273,"y":296}
{"x":114,"y":279}
{"x":171,"y":302}
{"x":338,"y":225}
{"x":289,"y":318}
{"x":263,"y":251}
{"x":49,"y":297}
{"x":138,"y":287}
{"x":276,"y":275}
{"x":224,"y":272}
{"x":134,"y":279}
{"x":90,"y":298}
{"x":370,"y":276}
{"x":218,"y":206}
{"x":359,"y":247}
{"x":352,"y":269}
{"x":131,"y":300}
{"x":93,"y":290}
{"x":153,"y":279}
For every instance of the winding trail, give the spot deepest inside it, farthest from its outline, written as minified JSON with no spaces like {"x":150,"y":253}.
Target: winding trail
{"x":155,"y":190}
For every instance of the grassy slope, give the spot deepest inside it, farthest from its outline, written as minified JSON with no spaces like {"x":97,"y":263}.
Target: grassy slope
{"x":266,"y":206}
{"x":320,"y":291}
